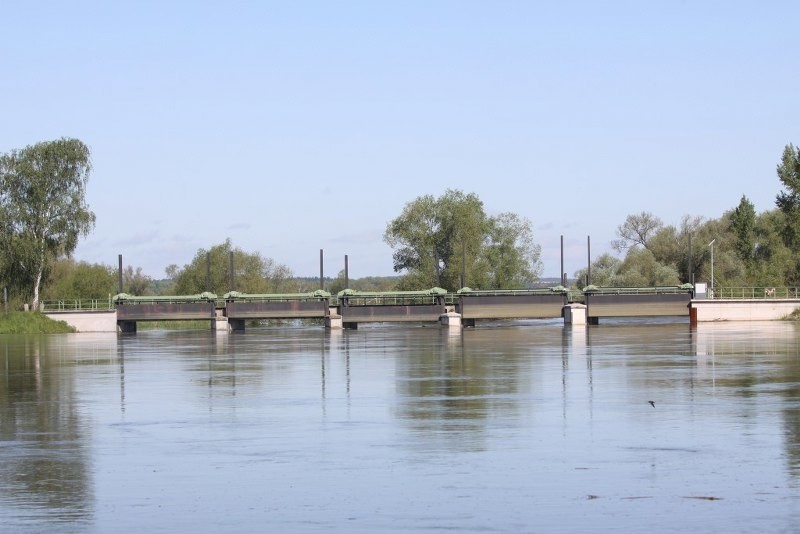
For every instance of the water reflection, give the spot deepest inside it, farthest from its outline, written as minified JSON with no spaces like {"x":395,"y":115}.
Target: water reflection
{"x":755,"y":362}
{"x":45,"y":459}
{"x":291,"y":428}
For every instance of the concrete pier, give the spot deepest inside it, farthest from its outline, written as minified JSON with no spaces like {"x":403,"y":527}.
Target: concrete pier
{"x":333,"y":321}
{"x":575,"y":314}
{"x":451,"y":319}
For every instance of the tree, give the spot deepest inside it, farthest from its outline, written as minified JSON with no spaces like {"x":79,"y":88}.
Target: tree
{"x":641,"y":269}
{"x":636,"y":230}
{"x":743,"y":225}
{"x":788,"y":200}
{"x":604,"y":272}
{"x":512,"y":257}
{"x":43,"y":209}
{"x":436,"y":240}
{"x":252,"y":273}
{"x":134,"y":282}
{"x":69,"y":279}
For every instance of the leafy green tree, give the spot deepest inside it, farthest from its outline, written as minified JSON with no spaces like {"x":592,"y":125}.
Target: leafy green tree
{"x":641,"y":269}
{"x":436,"y":240}
{"x":69,"y":279}
{"x":43,"y":209}
{"x":604,"y":272}
{"x":512,"y":257}
{"x":788,"y":200}
{"x":252,"y":272}
{"x":743,"y":225}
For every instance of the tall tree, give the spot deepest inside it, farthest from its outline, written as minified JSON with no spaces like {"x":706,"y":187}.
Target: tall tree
{"x":743,"y":224}
{"x":438,"y":239}
{"x":788,"y":200}
{"x":43,"y":206}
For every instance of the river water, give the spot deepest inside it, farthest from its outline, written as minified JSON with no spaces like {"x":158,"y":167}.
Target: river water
{"x":516,"y":427}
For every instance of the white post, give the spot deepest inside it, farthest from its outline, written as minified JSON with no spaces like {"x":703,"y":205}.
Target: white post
{"x":712,"y":266}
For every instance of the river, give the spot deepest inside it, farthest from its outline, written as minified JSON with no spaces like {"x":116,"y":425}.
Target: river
{"x":525,"y":426}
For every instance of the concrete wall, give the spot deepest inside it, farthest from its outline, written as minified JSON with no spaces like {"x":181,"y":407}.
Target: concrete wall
{"x":744,"y":310}
{"x":105,"y":321}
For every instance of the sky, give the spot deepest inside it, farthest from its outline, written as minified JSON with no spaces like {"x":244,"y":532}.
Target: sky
{"x":295,"y":127}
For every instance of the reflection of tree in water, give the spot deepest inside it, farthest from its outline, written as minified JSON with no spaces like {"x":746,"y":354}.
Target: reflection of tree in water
{"x":44,"y":461}
{"x":449,"y":387}
{"x":791,"y":413}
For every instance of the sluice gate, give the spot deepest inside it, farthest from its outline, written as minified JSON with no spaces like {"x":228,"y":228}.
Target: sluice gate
{"x":400,"y":306}
{"x":131,"y":309}
{"x":511,"y":304}
{"x":240,"y":307}
{"x":637,"y":302}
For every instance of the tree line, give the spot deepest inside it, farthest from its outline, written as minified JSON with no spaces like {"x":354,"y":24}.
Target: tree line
{"x":750,"y":249}
{"x":447,"y":241}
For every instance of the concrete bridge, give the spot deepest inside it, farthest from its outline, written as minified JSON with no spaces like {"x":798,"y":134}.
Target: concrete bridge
{"x":350,"y":308}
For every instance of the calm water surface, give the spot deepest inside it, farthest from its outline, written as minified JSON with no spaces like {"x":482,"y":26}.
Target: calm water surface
{"x":523,"y":427}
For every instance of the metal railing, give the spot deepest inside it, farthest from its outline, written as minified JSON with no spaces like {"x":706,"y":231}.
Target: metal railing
{"x":755,"y":293}
{"x":75,"y":305}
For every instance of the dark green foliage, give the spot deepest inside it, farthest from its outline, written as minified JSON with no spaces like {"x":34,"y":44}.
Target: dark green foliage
{"x":743,"y":225}
{"x":80,"y":280}
{"x":788,"y":200}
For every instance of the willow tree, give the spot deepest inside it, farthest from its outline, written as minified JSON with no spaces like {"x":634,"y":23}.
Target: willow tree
{"x":43,"y":207}
{"x":437,"y":241}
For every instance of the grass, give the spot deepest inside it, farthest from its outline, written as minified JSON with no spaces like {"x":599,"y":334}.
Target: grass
{"x":794,"y":316}
{"x":31,"y":323}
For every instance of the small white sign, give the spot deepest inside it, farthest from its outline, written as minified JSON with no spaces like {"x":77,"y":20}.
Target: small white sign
{"x":700,"y":288}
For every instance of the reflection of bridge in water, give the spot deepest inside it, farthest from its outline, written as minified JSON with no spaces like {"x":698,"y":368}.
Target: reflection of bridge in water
{"x":350,"y":308}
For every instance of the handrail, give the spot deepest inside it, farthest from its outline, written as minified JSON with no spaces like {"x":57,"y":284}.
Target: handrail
{"x":657,"y":290}
{"x":756,"y":292}
{"x":70,"y":305}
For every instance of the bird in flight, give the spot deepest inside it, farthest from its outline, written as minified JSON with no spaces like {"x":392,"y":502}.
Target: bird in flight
{"x":652,"y":403}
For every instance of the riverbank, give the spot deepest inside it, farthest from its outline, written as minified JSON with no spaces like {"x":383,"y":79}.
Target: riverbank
{"x":32,"y":323}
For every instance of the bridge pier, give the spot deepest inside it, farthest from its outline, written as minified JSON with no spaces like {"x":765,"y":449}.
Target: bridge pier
{"x":127,"y":327}
{"x":236,"y":325}
{"x":574,"y":314}
{"x":451,"y":319}
{"x":333,"y":321}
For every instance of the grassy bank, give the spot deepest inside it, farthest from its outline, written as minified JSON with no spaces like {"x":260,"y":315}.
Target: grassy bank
{"x":31,"y":323}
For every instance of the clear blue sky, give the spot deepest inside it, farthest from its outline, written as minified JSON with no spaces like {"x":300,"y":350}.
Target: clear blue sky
{"x":292,"y":127}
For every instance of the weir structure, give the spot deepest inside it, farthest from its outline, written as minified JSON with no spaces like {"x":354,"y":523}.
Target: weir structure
{"x":241,"y":307}
{"x":132,"y":309}
{"x":464,"y":308}
{"x":398,"y":306}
